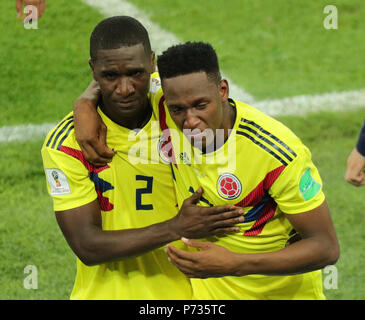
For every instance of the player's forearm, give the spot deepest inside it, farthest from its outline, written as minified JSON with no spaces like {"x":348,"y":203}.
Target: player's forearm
{"x":303,"y":256}
{"x":104,"y":246}
{"x":88,"y":101}
{"x":91,"y":95}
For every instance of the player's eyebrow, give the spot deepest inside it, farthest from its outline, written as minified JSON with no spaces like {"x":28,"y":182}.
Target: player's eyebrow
{"x":199,"y":100}
{"x":193,"y":104}
{"x":108,"y":69}
{"x":135,"y":70}
{"x":175,"y":106}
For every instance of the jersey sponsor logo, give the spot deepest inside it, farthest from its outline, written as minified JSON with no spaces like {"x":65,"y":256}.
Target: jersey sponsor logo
{"x":57,"y":182}
{"x":308,"y":186}
{"x":229,"y":186}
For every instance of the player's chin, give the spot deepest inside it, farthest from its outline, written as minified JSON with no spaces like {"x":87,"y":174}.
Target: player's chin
{"x":129,"y":111}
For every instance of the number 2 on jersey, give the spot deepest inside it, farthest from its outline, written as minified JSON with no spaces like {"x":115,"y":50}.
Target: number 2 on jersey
{"x":141,"y":191}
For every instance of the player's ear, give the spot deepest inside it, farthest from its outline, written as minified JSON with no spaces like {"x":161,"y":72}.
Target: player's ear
{"x":223,"y":89}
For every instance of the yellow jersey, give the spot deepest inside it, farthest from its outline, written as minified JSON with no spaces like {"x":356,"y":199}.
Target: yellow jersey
{"x":135,"y":190}
{"x":264,"y":168}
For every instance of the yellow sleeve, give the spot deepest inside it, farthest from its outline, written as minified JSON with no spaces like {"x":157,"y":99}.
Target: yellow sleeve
{"x":68,"y":180}
{"x":299,"y":187}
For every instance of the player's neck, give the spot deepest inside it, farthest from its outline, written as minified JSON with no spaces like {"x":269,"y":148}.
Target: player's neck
{"x":135,"y":121}
{"x":229,"y":118}
{"x":142,"y":118}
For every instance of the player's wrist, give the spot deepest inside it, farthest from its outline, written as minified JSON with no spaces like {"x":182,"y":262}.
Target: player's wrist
{"x":172,"y":229}
{"x":90,"y":97}
{"x":244,"y":264}
{"x":360,"y":148}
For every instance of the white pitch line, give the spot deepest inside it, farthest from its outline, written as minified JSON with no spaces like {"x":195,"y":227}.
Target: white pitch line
{"x":162,"y":39}
{"x":298,"y":105}
{"x":24,"y":132}
{"x":304,"y":104}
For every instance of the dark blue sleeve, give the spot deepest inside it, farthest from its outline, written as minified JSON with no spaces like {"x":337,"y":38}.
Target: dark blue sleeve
{"x":360,"y":146}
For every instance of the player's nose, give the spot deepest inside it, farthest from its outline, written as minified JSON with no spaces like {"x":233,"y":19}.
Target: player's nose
{"x":125,"y":87}
{"x":191,"y":120}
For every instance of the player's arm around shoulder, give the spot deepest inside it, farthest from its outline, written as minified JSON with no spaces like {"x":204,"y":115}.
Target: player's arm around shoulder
{"x":90,"y":129}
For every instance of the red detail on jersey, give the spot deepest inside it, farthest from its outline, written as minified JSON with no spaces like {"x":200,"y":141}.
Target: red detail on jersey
{"x":166,"y":130}
{"x":255,"y":197}
{"x":80,"y":156}
{"x":267,"y":213}
{"x":104,"y":203}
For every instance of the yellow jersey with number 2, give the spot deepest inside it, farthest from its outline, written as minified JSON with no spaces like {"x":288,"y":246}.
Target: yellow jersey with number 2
{"x":135,"y":190}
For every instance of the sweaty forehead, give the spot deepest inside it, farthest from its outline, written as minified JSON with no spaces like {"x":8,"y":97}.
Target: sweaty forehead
{"x":193,"y":86}
{"x":132,"y":55}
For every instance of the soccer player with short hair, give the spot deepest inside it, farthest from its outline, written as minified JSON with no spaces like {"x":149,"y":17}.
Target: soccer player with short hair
{"x":267,"y":171}
{"x":118,"y":217}
{"x":256,"y":163}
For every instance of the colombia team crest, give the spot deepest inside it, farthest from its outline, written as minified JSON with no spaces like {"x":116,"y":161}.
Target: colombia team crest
{"x":229,"y":186}
{"x":164,"y":149}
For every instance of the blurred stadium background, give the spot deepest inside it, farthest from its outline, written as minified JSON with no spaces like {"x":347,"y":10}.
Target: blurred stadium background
{"x":279,"y":57}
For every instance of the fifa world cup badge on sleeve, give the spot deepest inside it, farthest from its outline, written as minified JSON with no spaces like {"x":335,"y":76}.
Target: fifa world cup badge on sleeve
{"x":57,"y":182}
{"x":308,"y":186}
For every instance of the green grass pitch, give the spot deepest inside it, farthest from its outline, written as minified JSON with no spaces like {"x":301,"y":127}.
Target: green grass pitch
{"x":272,"y":49}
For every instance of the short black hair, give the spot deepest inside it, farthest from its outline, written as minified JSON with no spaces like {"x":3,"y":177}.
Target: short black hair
{"x":116,"y":32}
{"x":189,"y":57}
